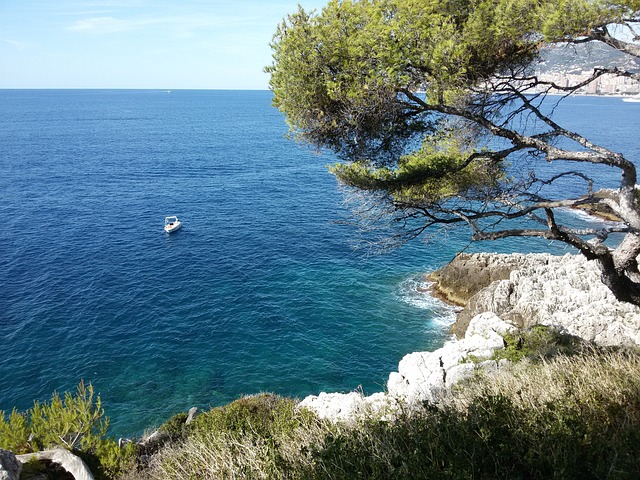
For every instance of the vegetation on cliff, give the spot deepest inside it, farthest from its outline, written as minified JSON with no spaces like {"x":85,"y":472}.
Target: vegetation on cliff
{"x":566,"y":417}
{"x":74,"y":421}
{"x":564,"y":410}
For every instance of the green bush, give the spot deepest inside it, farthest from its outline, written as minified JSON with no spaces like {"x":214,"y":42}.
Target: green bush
{"x":248,"y":438}
{"x":565,"y":417}
{"x":261,"y":415}
{"x":176,"y":427}
{"x":537,"y":342}
{"x":74,"y":421}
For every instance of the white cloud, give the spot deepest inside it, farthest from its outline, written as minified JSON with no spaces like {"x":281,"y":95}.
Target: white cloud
{"x":102,"y":25}
{"x":16,"y":44}
{"x":181,"y":23}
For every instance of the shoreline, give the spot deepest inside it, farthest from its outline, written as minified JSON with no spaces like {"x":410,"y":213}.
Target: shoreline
{"x":515,"y":292}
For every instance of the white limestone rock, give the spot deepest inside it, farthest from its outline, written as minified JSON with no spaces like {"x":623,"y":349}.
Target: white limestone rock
{"x":335,"y":406}
{"x":422,"y":375}
{"x":70,"y":462}
{"x":460,"y":372}
{"x":563,"y":292}
{"x":566,"y":293}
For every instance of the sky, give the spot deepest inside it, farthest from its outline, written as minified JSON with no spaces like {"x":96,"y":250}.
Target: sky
{"x":163,"y":44}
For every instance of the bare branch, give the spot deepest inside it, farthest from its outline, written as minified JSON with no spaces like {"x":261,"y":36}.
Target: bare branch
{"x":604,"y":36}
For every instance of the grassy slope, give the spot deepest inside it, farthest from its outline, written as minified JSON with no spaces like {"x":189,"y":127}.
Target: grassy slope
{"x":573,"y":414}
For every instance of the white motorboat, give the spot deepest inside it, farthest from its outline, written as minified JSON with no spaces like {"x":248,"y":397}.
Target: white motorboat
{"x":635,"y":98}
{"x":171,"y":224}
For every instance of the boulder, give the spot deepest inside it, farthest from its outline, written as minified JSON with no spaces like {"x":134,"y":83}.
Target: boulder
{"x":67,"y":460}
{"x":10,"y":466}
{"x":422,"y":376}
{"x":335,"y":406}
{"x":467,"y":274}
{"x":600,"y":207}
{"x":193,"y":412}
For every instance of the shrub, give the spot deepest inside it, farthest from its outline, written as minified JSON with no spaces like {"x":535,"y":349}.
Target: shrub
{"x":247,"y":438}
{"x":264,"y":415}
{"x":566,"y":417}
{"x":74,"y":421}
{"x":538,"y":341}
{"x":176,"y":427}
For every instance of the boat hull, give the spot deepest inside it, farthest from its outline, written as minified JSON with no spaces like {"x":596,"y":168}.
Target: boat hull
{"x":172,"y":227}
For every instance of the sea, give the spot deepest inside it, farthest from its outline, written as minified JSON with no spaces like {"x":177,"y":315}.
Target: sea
{"x":261,"y":290}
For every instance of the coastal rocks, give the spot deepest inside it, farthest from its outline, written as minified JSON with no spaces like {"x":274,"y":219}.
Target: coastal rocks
{"x":193,"y":412}
{"x":467,"y":274}
{"x":601,"y":207}
{"x":503,"y":292}
{"x":421,"y":376}
{"x":344,"y":406}
{"x":10,"y":466}
{"x":67,"y":460}
{"x":562,"y":292}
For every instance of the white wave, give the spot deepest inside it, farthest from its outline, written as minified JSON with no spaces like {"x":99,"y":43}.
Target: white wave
{"x":587,"y":217}
{"x":416,"y":291}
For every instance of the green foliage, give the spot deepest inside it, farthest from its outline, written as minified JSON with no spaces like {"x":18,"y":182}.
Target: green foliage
{"x":387,"y":84}
{"x":532,"y":429}
{"x":567,"y":19}
{"x":109,"y":460}
{"x":176,"y":427}
{"x":262,"y":415}
{"x":565,"y":418}
{"x":74,"y":421}
{"x":339,"y":75}
{"x":14,"y":432}
{"x":538,"y":342}
{"x":247,"y":438}
{"x":440,"y":170}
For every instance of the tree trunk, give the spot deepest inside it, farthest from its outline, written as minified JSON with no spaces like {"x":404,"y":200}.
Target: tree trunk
{"x":620,"y":269}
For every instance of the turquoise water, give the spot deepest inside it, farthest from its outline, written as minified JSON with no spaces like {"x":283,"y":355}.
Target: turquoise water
{"x":259,"y":291}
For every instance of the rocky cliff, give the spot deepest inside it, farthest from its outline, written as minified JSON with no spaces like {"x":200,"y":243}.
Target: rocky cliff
{"x":563,"y":292}
{"x":500,"y":293}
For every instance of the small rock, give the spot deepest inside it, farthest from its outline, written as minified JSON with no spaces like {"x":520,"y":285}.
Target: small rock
{"x":69,"y":462}
{"x":193,"y":411}
{"x":10,"y":466}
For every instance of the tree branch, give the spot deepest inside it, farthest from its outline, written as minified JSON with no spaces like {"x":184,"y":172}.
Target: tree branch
{"x":602,"y":34}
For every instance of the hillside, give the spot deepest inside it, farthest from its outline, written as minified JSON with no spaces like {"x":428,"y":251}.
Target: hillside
{"x":571,"y":64}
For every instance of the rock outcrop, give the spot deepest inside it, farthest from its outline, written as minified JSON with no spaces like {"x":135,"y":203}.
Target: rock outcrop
{"x":501,"y":293}
{"x":563,"y":292}
{"x":467,"y":274}
{"x":600,"y":207}
{"x":10,"y":466}
{"x":421,"y":376}
{"x":67,"y":460}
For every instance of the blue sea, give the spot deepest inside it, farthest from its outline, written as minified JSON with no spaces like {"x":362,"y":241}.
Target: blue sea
{"x":260,"y":291}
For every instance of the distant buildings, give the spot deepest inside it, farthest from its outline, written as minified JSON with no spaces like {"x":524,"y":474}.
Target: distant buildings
{"x":605,"y":85}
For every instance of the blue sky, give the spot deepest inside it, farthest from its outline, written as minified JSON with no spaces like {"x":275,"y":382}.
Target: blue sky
{"x":208,"y":44}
